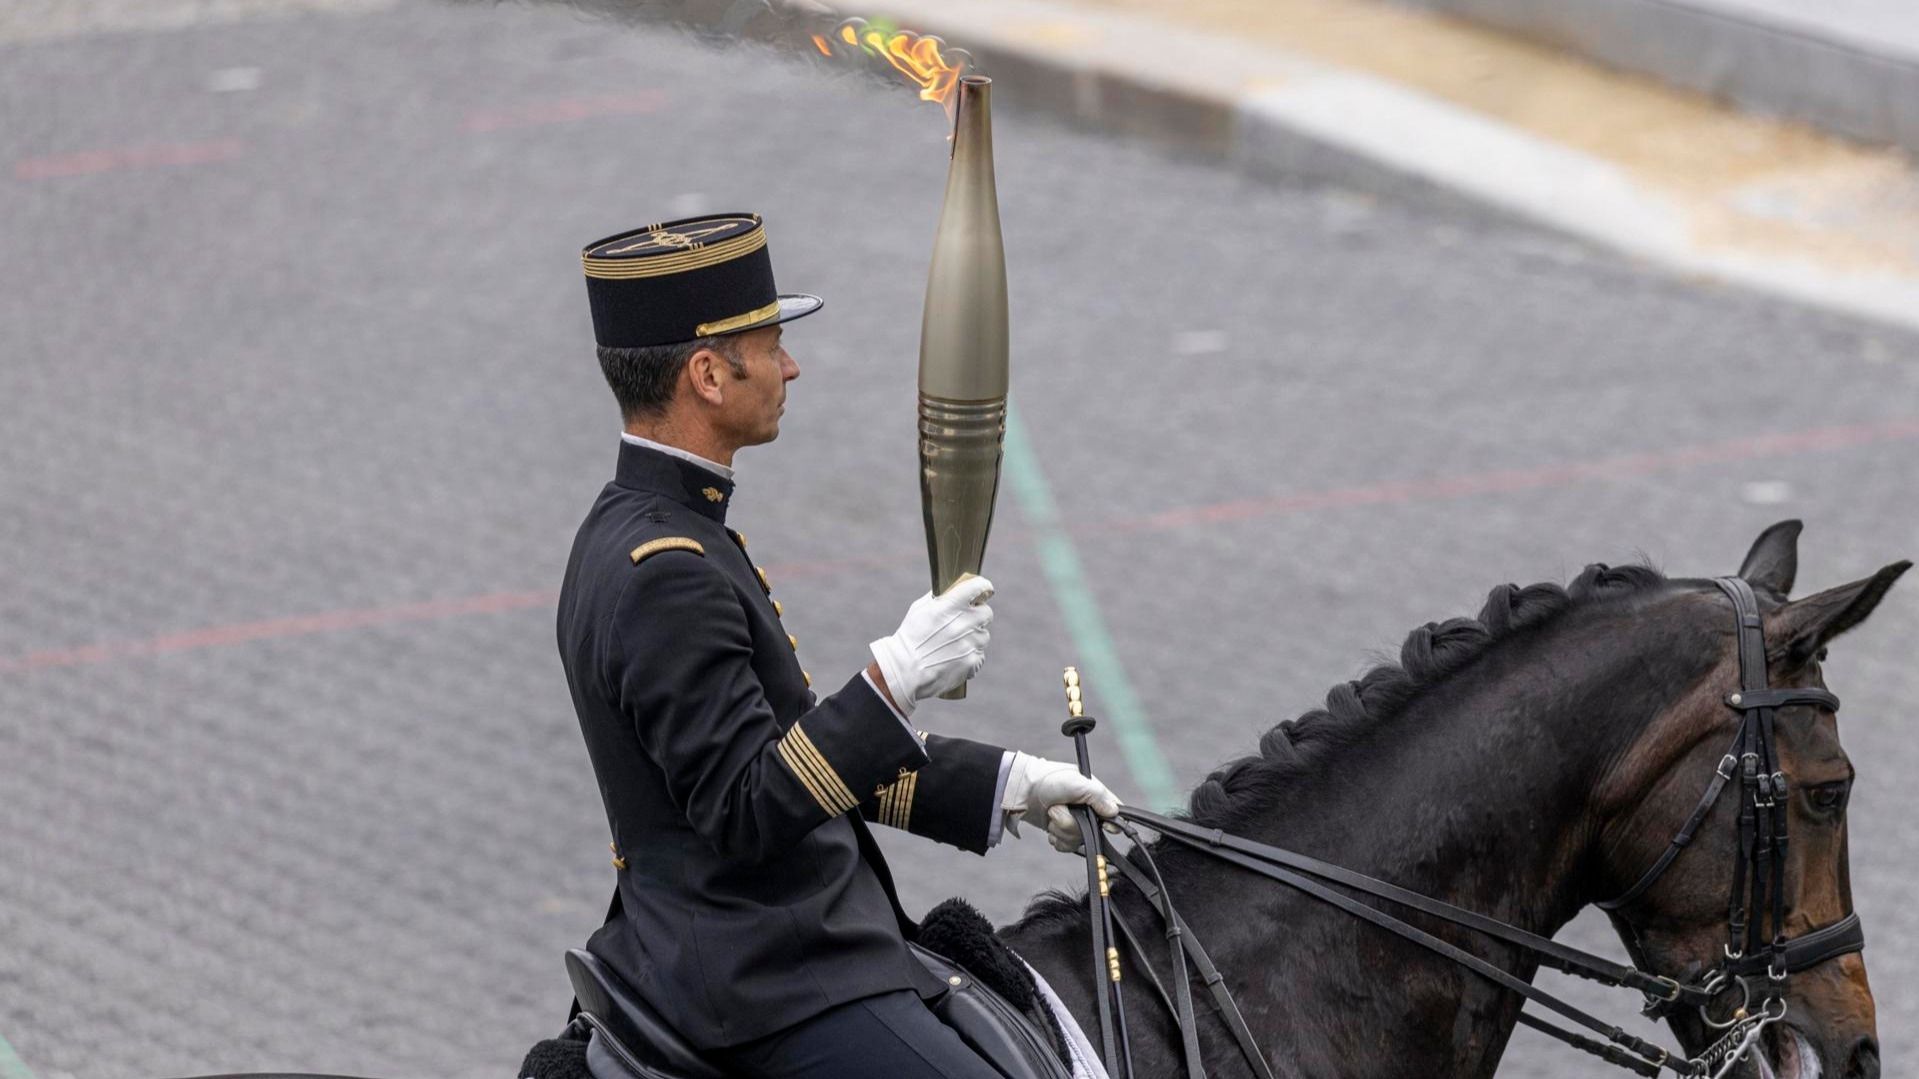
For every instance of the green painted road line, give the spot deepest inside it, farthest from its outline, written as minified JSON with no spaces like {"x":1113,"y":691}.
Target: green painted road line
{"x":11,"y":1066}
{"x":1110,"y":692}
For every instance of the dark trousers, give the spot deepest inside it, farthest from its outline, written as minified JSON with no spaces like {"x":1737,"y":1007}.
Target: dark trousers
{"x":889,"y":1036}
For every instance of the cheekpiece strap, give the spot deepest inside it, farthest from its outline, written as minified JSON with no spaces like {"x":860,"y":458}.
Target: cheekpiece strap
{"x":1752,"y":632}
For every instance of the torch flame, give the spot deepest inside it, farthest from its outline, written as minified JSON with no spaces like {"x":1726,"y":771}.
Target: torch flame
{"x":918,"y":58}
{"x":922,"y":58}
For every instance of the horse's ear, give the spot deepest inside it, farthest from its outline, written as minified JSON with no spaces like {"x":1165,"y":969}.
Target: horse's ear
{"x":1773,"y":561}
{"x":1804,"y":626}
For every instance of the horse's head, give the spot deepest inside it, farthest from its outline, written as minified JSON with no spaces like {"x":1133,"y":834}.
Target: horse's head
{"x":1680,"y":921}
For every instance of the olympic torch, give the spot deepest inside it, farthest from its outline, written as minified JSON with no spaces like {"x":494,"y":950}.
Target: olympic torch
{"x":963,"y":348}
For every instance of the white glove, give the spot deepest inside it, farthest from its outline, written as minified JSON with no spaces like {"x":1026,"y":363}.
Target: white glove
{"x":940,"y":644}
{"x":1038,"y":792}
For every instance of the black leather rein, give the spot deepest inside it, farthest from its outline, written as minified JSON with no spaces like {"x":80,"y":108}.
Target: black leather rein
{"x":1757,"y":949}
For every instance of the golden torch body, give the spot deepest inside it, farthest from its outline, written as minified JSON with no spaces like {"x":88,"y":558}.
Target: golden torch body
{"x":963,"y":353}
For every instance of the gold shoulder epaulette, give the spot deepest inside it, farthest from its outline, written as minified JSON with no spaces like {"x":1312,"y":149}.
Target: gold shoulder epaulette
{"x":667,"y":543}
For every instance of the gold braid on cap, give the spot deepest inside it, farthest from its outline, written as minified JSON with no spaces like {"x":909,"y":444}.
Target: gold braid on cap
{"x":696,"y":258}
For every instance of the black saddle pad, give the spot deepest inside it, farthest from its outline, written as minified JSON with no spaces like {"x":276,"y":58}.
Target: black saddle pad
{"x":959,"y":934}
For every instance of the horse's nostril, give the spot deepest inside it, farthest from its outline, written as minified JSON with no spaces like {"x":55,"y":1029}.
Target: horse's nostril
{"x":1865,"y":1060}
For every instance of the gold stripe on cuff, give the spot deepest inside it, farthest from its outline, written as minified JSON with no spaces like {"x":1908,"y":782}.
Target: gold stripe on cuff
{"x":823,"y":782}
{"x":812,"y":788}
{"x":830,"y":779}
{"x":728,"y":325}
{"x":903,"y":803}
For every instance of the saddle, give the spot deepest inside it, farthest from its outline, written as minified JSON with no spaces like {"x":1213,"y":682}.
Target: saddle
{"x":627,"y":1039}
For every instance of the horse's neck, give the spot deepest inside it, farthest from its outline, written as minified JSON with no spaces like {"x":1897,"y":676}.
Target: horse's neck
{"x":1478,"y":797}
{"x":1480,"y":791}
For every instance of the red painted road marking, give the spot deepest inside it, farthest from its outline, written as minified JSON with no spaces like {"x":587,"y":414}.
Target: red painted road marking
{"x":295,"y":626}
{"x":1506,"y":481}
{"x":122,"y":158}
{"x":1503,"y":481}
{"x":564,"y":111}
{"x":353,"y":618}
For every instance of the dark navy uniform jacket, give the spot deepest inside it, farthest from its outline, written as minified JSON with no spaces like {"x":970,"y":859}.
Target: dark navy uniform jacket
{"x":750,"y":894}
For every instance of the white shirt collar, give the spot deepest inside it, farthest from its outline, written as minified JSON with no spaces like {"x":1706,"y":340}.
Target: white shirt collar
{"x":714,"y":467}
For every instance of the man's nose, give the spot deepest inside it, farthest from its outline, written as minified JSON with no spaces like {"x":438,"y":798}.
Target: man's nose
{"x":789,"y":367}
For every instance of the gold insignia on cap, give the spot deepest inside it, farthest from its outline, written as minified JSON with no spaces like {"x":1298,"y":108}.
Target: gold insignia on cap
{"x":637,"y":264}
{"x":668,"y":543}
{"x":691,"y":238}
{"x":712,"y":494}
{"x":814,"y":773}
{"x":684,"y":235}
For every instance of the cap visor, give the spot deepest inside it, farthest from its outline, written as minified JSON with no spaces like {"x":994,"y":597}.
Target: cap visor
{"x":792,"y":306}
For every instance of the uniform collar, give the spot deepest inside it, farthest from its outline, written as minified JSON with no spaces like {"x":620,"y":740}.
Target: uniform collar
{"x":714,"y":467}
{"x":643,"y":468}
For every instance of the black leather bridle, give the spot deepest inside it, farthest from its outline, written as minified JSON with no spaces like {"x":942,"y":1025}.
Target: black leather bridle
{"x":1759,"y":958}
{"x":1756,"y":941}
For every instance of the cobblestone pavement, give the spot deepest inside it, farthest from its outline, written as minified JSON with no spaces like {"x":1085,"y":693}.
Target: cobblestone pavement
{"x":299,"y":414}
{"x":39,"y":20}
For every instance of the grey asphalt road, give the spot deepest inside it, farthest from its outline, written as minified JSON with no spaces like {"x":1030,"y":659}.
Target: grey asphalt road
{"x":298,"y":413}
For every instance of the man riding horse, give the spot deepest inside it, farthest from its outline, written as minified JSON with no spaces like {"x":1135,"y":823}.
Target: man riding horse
{"x":1369,"y":894}
{"x":753,"y":909}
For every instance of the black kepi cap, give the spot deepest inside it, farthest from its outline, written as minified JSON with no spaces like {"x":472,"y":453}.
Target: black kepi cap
{"x":682,"y":280}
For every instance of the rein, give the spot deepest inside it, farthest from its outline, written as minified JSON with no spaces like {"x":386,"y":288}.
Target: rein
{"x":1757,"y":950}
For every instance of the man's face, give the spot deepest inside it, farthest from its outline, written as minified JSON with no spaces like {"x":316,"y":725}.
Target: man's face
{"x":757,"y":394}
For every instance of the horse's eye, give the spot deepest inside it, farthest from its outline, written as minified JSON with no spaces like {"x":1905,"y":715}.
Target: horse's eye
{"x":1830,"y":797}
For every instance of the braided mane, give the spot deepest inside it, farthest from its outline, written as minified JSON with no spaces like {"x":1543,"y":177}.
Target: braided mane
{"x":1241,"y":790}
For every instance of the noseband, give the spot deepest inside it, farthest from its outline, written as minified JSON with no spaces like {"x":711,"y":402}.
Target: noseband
{"x":1756,"y":941}
{"x":1757,"y":951}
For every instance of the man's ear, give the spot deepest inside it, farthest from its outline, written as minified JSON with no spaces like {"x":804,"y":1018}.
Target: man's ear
{"x":1804,"y":626}
{"x":706,"y":374}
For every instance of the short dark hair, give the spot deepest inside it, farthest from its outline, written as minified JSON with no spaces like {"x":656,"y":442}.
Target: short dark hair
{"x":642,"y":379}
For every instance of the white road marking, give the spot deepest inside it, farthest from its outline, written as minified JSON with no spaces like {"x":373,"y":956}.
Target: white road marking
{"x":233,"y":80}
{"x":1766,"y":493}
{"x":1199,"y":342}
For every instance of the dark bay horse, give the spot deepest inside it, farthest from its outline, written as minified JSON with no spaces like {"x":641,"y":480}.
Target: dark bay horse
{"x":1524,"y":764}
